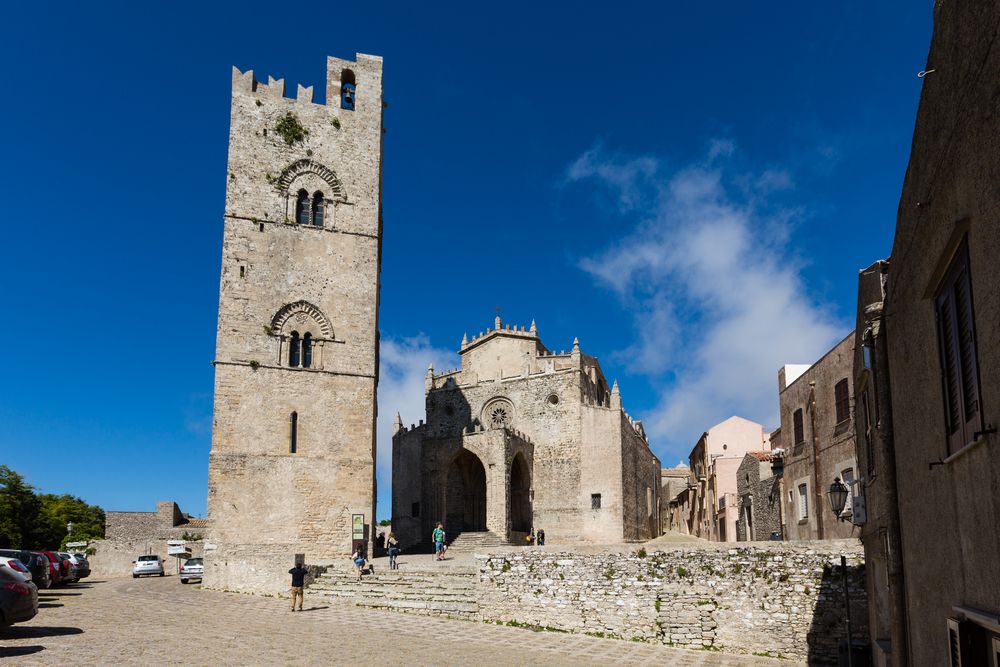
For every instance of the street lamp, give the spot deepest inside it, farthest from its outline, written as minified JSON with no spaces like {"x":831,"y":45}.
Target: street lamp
{"x":838,"y":498}
{"x":69,"y":528}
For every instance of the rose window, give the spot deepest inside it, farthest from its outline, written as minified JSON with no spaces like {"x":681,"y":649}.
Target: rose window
{"x":498,"y":414}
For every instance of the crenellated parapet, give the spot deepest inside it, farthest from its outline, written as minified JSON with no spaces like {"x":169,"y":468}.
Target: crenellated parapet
{"x":342,"y":77}
{"x":247,"y":83}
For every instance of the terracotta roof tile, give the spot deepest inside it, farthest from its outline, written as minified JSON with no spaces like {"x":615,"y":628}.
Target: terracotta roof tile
{"x":762,"y":456}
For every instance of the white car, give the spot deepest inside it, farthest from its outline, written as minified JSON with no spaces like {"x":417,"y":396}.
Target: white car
{"x":193,"y":568}
{"x":147,"y":565}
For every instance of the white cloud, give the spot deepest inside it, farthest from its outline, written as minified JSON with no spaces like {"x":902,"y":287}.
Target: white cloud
{"x":402,"y":368}
{"x":626,"y":176}
{"x":718,"y":300}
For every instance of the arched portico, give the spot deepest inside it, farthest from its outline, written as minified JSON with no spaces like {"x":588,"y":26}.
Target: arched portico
{"x":465,"y":493}
{"x":520,"y":495}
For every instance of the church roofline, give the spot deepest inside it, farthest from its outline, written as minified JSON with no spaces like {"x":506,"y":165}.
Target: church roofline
{"x":523,"y":333}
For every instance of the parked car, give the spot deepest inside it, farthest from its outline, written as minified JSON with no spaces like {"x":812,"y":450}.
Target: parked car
{"x":193,"y":568}
{"x":68,"y":569}
{"x":150,"y":564}
{"x":63,"y":567}
{"x":55,"y":566}
{"x":16,"y":565}
{"x":18,"y":597}
{"x":79,"y":562}
{"x":82,"y":559}
{"x":36,"y":563}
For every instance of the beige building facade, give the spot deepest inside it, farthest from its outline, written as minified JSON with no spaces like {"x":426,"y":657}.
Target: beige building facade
{"x":296,"y":366}
{"x":714,"y":460}
{"x":521,"y":438}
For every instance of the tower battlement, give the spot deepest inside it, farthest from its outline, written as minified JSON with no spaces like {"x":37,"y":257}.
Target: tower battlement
{"x":363,"y":73}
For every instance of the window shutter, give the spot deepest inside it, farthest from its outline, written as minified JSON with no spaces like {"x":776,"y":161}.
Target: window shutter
{"x":965,"y":327}
{"x":958,"y":644}
{"x":949,"y":371}
{"x":959,"y":361}
{"x":842,"y":398}
{"x":799,"y":430}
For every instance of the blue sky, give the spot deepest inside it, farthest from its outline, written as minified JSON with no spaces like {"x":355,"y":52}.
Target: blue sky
{"x":689,"y":188}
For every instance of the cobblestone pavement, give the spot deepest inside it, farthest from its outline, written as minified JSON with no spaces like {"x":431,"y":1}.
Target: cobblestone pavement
{"x":158,"y":621}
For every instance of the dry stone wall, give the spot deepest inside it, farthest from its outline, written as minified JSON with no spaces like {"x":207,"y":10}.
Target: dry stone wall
{"x":779,"y":599}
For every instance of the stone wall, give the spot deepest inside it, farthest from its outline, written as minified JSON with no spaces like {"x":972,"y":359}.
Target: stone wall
{"x":130,"y":525}
{"x":257,"y":569}
{"x":761,"y":597}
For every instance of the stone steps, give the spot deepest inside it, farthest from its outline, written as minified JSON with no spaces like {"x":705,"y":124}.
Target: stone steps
{"x":468,"y":542}
{"x":442,"y":593}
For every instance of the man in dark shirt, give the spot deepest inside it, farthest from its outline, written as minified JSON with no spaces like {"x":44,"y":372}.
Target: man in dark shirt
{"x":298,"y":573}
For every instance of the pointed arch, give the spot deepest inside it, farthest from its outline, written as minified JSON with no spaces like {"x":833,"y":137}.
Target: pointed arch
{"x":287,"y":312}
{"x":306,"y":166}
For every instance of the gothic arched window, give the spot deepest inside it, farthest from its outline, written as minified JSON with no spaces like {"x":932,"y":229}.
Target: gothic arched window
{"x":317,"y":208}
{"x":307,"y":350}
{"x":293,"y":350}
{"x":347,"y":90}
{"x":302,"y":208}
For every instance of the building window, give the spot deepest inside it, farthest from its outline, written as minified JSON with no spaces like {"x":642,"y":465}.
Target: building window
{"x":595,"y":501}
{"x":347,"y":90}
{"x":302,"y":208}
{"x":293,"y":350}
{"x":843,"y":401}
{"x":307,"y":350}
{"x":957,"y":345}
{"x":800,"y":434}
{"x":293,"y":432}
{"x":803,"y":501}
{"x":415,"y":510}
{"x":317,"y":209}
{"x":847,"y":477}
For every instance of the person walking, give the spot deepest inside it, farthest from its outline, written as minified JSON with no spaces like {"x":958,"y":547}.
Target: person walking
{"x":298,"y":573}
{"x":438,"y":537}
{"x":393,"y":549}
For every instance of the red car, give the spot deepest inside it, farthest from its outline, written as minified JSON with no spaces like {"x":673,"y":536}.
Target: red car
{"x":55,"y":566}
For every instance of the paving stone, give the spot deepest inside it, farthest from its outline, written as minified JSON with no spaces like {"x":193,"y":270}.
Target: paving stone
{"x":160,"y":622}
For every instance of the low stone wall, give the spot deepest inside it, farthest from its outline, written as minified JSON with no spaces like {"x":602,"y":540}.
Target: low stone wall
{"x":257,"y":569}
{"x":776,"y":598}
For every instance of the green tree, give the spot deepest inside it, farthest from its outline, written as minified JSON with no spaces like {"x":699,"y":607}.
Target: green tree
{"x":19,"y":509}
{"x":58,"y":511}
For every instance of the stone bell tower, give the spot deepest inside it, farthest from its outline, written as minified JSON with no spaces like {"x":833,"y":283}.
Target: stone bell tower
{"x":296,"y":364}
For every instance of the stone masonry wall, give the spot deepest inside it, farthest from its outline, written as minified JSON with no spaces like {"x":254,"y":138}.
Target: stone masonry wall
{"x":761,"y":597}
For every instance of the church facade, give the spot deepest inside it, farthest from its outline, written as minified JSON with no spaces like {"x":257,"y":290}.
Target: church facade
{"x":521,"y":438}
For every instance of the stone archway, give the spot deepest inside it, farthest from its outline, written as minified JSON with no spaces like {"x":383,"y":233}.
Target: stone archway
{"x":465,"y":494}
{"x":520,"y":495}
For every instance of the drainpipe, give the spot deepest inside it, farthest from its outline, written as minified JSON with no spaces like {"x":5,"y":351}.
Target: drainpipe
{"x":899,"y":621}
{"x":817,"y":489}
